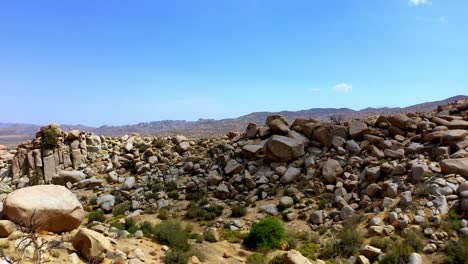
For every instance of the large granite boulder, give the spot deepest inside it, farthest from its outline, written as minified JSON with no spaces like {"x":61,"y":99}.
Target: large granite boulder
{"x":45,"y":207}
{"x":280,"y":148}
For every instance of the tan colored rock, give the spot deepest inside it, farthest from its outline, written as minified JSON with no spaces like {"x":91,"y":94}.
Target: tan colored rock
{"x":280,"y":148}
{"x":49,"y":207}
{"x":324,"y":134}
{"x":295,"y":257}
{"x":458,"y":166}
{"x":7,"y":227}
{"x":90,"y":244}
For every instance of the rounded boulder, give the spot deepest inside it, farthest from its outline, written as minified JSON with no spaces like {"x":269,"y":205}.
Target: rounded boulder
{"x":45,"y":208}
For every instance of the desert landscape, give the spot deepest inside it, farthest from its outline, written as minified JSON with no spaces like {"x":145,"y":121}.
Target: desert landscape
{"x":233,"y":132}
{"x":386,"y":188}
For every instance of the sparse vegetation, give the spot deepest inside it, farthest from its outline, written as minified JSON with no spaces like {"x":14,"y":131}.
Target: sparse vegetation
{"x":257,"y":258}
{"x":206,"y":213}
{"x":310,"y":250}
{"x":238,"y":211}
{"x":96,"y":216}
{"x":347,"y":242}
{"x":49,"y":139}
{"x":232,"y":236}
{"x":279,"y":259}
{"x":120,"y":209}
{"x":457,"y":251}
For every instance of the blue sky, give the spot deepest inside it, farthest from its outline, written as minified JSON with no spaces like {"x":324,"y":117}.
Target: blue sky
{"x":119,"y":62}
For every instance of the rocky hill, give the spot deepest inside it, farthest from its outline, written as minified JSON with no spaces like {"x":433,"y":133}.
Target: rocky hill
{"x":384,"y":189}
{"x":16,"y":133}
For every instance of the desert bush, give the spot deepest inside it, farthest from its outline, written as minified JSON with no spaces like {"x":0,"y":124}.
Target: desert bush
{"x":49,"y":139}
{"x":452,"y":222}
{"x":159,"y":142}
{"x":203,"y":213}
{"x":37,"y":177}
{"x":120,"y":209}
{"x":279,"y":259}
{"x":414,"y":239}
{"x":381,"y":242}
{"x":257,"y":258}
{"x":195,"y":195}
{"x":171,"y":186}
{"x":326,"y":201}
{"x":171,"y":233}
{"x":163,"y":214}
{"x":232,"y":236}
{"x":267,"y":233}
{"x":97,"y":216}
{"x":457,"y":251}
{"x":347,"y":242}
{"x":310,"y":250}
{"x":147,"y":228}
{"x":177,"y":257}
{"x":238,"y":211}
{"x":398,"y":252}
{"x":173,"y":195}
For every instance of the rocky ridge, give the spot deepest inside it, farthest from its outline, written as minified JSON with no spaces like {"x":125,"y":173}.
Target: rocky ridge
{"x":401,"y":171}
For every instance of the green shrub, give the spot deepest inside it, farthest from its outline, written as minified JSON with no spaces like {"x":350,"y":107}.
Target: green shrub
{"x":130,"y":225}
{"x":195,"y":195}
{"x":413,"y":239}
{"x":177,"y":257}
{"x":310,"y":250}
{"x":171,"y":233}
{"x":350,"y":241}
{"x":159,"y":142}
{"x":147,"y":228}
{"x":381,"y":242}
{"x":238,"y":211}
{"x":37,"y":177}
{"x":452,"y":222}
{"x":97,"y":216}
{"x":120,"y":209}
{"x":173,"y":195}
{"x":163,"y":214}
{"x":257,"y":258}
{"x":49,"y":139}
{"x":279,"y":259}
{"x":118,"y":225}
{"x":457,"y":251}
{"x":398,"y":252}
{"x":267,"y":233}
{"x":232,"y":236}
{"x":347,"y":242}
{"x":203,"y":213}
{"x":171,"y":186}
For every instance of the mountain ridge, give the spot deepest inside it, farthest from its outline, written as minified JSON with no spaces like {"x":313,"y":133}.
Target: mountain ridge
{"x":212,"y":127}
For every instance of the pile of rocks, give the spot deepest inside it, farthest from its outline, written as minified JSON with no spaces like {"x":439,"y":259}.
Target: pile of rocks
{"x":307,"y":169}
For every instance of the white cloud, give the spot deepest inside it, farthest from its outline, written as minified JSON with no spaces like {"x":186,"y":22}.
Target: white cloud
{"x":419,"y":2}
{"x":443,"y":20}
{"x":343,"y":87}
{"x":314,"y":90}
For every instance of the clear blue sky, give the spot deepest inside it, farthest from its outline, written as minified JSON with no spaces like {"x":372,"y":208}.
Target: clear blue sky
{"x":118,"y":62}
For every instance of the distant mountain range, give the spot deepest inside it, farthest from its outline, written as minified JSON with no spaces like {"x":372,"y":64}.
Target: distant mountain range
{"x":14,"y":133}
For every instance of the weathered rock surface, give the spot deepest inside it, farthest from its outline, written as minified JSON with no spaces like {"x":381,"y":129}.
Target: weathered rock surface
{"x":90,"y":244}
{"x":47,"y":207}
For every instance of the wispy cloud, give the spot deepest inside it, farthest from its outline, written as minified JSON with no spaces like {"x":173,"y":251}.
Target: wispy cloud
{"x":343,"y":87}
{"x":443,"y":20}
{"x":314,"y":90}
{"x":419,"y":2}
